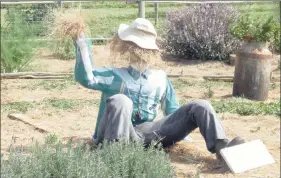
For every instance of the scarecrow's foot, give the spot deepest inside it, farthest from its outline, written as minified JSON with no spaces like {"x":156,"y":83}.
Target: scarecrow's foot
{"x":221,"y":144}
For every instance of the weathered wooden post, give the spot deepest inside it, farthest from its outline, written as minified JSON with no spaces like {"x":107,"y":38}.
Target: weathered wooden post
{"x":60,"y":3}
{"x":141,"y":9}
{"x":156,"y":5}
{"x":252,"y":71}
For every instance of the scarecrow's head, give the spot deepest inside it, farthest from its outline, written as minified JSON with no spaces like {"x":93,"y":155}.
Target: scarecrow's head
{"x":137,"y":43}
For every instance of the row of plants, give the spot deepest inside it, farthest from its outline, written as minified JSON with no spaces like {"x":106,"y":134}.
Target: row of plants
{"x":58,"y":159}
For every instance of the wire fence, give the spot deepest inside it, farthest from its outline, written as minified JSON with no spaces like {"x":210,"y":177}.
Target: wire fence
{"x":103,"y":18}
{"x":26,"y":26}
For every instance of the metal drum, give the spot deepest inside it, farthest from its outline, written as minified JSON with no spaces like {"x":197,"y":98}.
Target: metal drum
{"x":252,"y":71}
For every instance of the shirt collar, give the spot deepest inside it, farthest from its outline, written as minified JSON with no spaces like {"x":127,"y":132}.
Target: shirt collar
{"x":136,"y":74}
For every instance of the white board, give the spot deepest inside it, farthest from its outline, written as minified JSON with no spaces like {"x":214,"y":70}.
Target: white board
{"x":246,"y":156}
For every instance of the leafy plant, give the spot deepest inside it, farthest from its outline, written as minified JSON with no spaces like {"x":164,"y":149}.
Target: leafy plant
{"x":55,"y":159}
{"x":258,"y":29}
{"x":201,"y":32}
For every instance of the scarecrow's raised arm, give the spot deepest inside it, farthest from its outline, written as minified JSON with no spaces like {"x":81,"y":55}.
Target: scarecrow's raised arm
{"x":169,"y":102}
{"x":85,"y":73}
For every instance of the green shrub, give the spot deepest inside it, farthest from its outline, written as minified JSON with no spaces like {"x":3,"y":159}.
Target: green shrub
{"x":201,"y":32}
{"x":17,"y":50}
{"x":53,"y":159}
{"x":63,"y":48}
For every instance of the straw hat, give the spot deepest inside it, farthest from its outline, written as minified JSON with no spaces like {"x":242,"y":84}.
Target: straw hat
{"x":141,"y":32}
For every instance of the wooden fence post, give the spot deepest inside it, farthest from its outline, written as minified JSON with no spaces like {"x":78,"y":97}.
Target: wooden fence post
{"x":60,"y":3}
{"x":141,"y":9}
{"x":156,"y":5}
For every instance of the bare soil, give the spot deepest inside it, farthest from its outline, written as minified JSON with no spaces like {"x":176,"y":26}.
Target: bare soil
{"x":189,"y":158}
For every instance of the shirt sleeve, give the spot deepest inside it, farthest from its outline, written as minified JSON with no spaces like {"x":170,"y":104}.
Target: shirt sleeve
{"x":85,"y":73}
{"x":169,"y":102}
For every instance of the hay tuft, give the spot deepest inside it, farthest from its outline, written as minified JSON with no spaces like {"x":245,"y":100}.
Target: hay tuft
{"x":68,"y":25}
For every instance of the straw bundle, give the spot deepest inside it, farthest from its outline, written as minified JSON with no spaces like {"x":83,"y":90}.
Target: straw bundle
{"x":68,"y":25}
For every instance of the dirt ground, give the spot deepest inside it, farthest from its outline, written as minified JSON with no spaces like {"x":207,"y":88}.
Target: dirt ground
{"x":189,"y":158}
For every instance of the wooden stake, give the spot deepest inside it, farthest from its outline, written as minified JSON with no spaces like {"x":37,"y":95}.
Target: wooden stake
{"x":7,"y":75}
{"x":23,"y":118}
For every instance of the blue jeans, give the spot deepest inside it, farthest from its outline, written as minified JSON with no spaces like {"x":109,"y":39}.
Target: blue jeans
{"x":116,"y":123}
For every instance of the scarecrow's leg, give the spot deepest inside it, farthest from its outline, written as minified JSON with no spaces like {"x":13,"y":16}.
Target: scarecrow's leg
{"x":198,"y":113}
{"x":116,"y":122}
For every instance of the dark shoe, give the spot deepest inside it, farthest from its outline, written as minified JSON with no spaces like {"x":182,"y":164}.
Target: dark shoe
{"x":236,"y":141}
{"x":221,"y":144}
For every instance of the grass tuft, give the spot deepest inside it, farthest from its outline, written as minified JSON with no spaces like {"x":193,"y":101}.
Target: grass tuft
{"x":244,"y":107}
{"x":209,"y":93}
{"x":62,"y":103}
{"x":247,"y":108}
{"x":17,"y":107}
{"x":181,"y":84}
{"x":54,"y":85}
{"x":59,"y":104}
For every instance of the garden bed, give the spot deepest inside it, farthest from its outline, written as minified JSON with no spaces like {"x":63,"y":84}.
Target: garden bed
{"x":68,"y":109}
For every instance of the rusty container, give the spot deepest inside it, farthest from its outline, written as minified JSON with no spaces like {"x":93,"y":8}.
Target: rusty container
{"x":252,"y":71}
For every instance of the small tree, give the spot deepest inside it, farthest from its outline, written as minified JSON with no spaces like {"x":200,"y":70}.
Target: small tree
{"x":17,"y":50}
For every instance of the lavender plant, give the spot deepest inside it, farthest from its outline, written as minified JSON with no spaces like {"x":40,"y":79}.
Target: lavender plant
{"x":201,"y":32}
{"x":53,"y":159}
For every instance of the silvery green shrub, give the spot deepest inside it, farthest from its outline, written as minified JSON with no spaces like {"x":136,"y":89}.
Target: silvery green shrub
{"x":201,"y":32}
{"x":54,"y":159}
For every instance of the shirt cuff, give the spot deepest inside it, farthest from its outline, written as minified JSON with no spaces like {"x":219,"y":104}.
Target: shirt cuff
{"x":95,"y":141}
{"x":82,"y":41}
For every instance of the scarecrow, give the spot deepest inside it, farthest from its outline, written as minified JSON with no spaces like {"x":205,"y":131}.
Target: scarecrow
{"x":131,"y":96}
